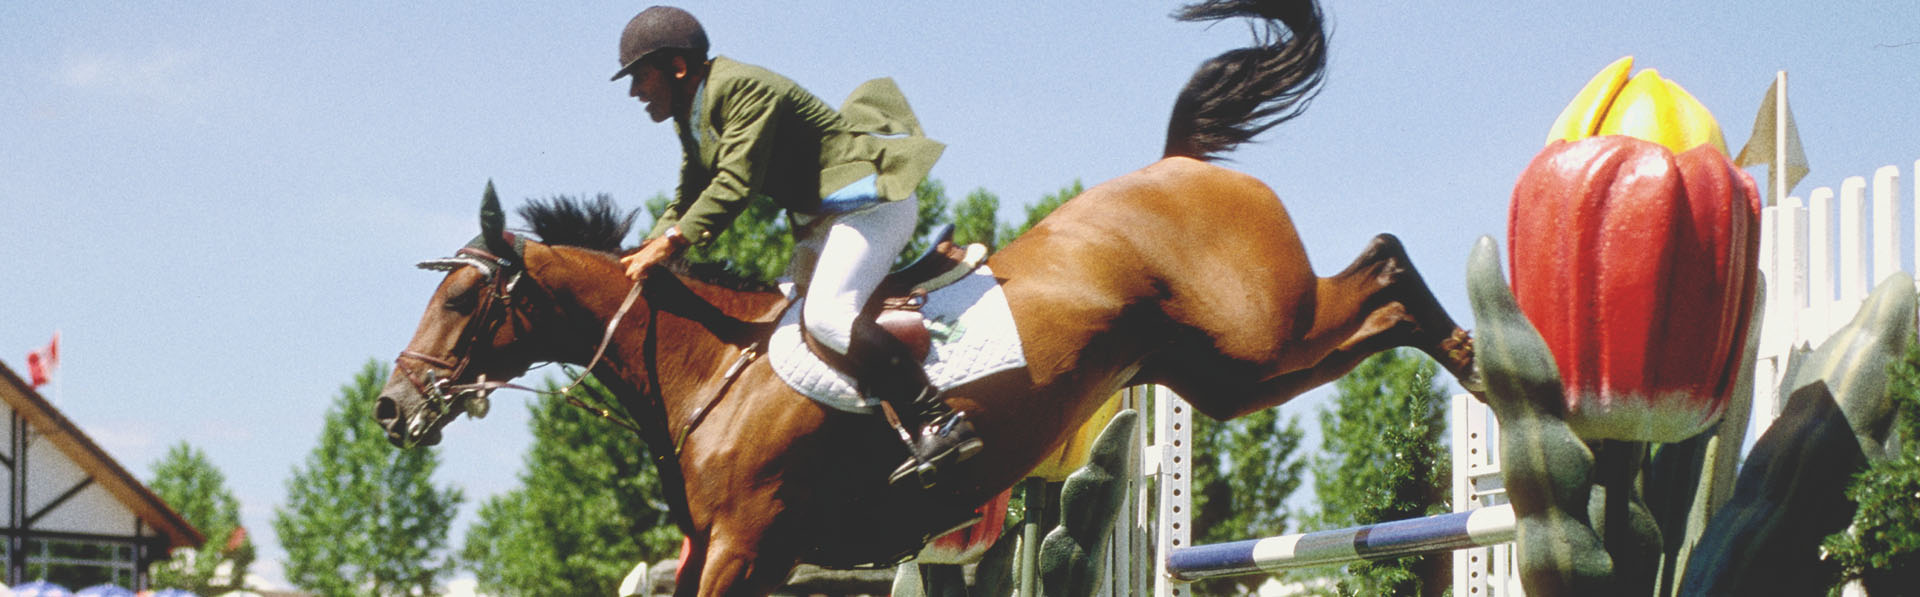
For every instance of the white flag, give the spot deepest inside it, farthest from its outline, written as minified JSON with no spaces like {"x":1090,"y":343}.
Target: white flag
{"x":1764,"y":147}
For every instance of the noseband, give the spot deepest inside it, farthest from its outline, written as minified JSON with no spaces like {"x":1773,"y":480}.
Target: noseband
{"x":434,"y":382}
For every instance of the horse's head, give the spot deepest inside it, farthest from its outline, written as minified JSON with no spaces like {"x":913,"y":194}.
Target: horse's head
{"x":467,"y":342}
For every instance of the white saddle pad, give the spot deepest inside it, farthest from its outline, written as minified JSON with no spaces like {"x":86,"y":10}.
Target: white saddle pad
{"x":973,"y":337}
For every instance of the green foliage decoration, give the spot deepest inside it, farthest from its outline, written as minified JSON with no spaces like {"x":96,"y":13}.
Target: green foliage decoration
{"x":1882,"y":545}
{"x":1071,"y":554}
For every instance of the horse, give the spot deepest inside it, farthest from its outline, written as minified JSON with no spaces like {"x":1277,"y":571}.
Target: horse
{"x":1183,"y":273}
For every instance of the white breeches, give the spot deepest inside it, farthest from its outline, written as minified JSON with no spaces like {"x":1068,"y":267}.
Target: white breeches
{"x":855,"y":253}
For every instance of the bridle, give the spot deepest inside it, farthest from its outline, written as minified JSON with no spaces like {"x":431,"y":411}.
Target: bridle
{"x":436,"y":388}
{"x":440,"y":395}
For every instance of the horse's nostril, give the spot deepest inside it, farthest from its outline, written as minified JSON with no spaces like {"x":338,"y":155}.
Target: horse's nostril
{"x":387,"y":412}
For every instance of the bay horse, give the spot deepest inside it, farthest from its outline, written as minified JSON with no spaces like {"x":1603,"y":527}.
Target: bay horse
{"x":1183,"y":273}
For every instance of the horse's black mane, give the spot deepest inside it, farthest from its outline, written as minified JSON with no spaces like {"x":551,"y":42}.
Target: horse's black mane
{"x":718,"y":273}
{"x":595,"y":224}
{"x":599,"y":224}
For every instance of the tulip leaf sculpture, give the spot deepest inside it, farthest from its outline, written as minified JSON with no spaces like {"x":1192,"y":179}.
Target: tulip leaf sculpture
{"x":1792,"y":492}
{"x":1548,"y":470}
{"x":1070,"y":556}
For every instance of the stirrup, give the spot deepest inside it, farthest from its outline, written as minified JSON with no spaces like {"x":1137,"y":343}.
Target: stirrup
{"x":924,"y":466}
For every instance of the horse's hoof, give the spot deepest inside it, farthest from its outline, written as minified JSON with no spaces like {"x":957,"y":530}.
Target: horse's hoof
{"x":1461,"y":363}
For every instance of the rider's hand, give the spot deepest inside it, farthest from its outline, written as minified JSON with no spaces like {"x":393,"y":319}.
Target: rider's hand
{"x":654,"y":252}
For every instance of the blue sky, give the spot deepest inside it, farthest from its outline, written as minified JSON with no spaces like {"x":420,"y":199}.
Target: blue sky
{"x":218,"y":204}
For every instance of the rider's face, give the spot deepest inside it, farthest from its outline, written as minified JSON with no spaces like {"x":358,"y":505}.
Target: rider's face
{"x":653,"y":86}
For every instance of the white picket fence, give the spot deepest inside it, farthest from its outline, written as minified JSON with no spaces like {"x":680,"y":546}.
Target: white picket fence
{"x":1818,"y":257}
{"x":1820,"y":267}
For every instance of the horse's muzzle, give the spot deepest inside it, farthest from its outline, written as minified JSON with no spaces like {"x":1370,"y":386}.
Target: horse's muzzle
{"x":404,"y":431}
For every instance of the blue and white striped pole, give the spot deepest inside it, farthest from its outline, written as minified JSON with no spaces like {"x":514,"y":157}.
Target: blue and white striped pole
{"x":1485,"y":526}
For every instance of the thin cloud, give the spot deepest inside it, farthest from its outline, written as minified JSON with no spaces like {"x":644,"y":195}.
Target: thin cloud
{"x":163,"y":75}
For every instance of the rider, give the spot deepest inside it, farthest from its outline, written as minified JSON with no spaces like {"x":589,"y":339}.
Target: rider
{"x":846,"y":179}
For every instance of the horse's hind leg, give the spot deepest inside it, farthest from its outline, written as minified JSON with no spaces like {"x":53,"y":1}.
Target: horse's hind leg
{"x":1376,"y":335}
{"x":1385,"y":303}
{"x":1433,"y":331}
{"x":1377,"y":303}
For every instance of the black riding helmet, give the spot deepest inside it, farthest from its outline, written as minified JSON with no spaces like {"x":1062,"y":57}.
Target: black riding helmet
{"x":658,"y":28}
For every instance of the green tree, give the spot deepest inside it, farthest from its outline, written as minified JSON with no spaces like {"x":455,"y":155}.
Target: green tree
{"x":932,"y":212}
{"x":188,"y":482}
{"x":756,"y":246}
{"x":759,"y":242}
{"x":1883,"y":544}
{"x":1382,"y":458}
{"x":1243,"y":472}
{"x":1040,"y":210}
{"x":973,"y":218}
{"x":587,"y":509}
{"x":363,"y":518}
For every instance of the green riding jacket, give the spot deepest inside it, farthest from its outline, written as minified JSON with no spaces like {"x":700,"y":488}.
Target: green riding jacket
{"x":754,"y":132}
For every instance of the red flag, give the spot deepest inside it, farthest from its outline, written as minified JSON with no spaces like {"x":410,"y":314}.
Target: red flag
{"x":236,"y":539}
{"x":41,"y":363}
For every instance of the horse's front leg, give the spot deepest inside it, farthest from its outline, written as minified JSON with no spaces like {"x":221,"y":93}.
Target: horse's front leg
{"x":686,"y":581}
{"x":741,"y":561}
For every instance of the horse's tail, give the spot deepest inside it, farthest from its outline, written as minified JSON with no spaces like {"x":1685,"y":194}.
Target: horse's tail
{"x":1242,"y":93}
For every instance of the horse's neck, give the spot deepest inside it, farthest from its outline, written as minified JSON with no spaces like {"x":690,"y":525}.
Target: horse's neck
{"x":586,"y":288}
{"x":677,"y":337}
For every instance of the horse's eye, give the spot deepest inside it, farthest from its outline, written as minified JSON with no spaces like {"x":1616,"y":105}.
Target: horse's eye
{"x":463,"y":301}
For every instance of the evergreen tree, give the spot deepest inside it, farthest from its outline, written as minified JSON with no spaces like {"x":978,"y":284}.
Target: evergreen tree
{"x":1883,"y":544}
{"x":361,"y":517}
{"x":1383,"y":458}
{"x":1243,"y":472}
{"x":188,"y":482}
{"x":588,"y":508}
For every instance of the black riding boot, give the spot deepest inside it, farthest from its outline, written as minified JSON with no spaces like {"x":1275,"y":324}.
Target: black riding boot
{"x":885,"y":370}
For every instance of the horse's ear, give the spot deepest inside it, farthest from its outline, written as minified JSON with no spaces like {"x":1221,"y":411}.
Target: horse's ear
{"x":493,"y":224}
{"x":493,"y":221}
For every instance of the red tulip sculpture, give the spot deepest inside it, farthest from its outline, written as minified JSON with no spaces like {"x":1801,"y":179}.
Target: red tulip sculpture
{"x":1628,"y":323}
{"x":1633,"y":241}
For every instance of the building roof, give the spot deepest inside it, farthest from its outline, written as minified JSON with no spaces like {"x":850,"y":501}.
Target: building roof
{"x":104,"y":470}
